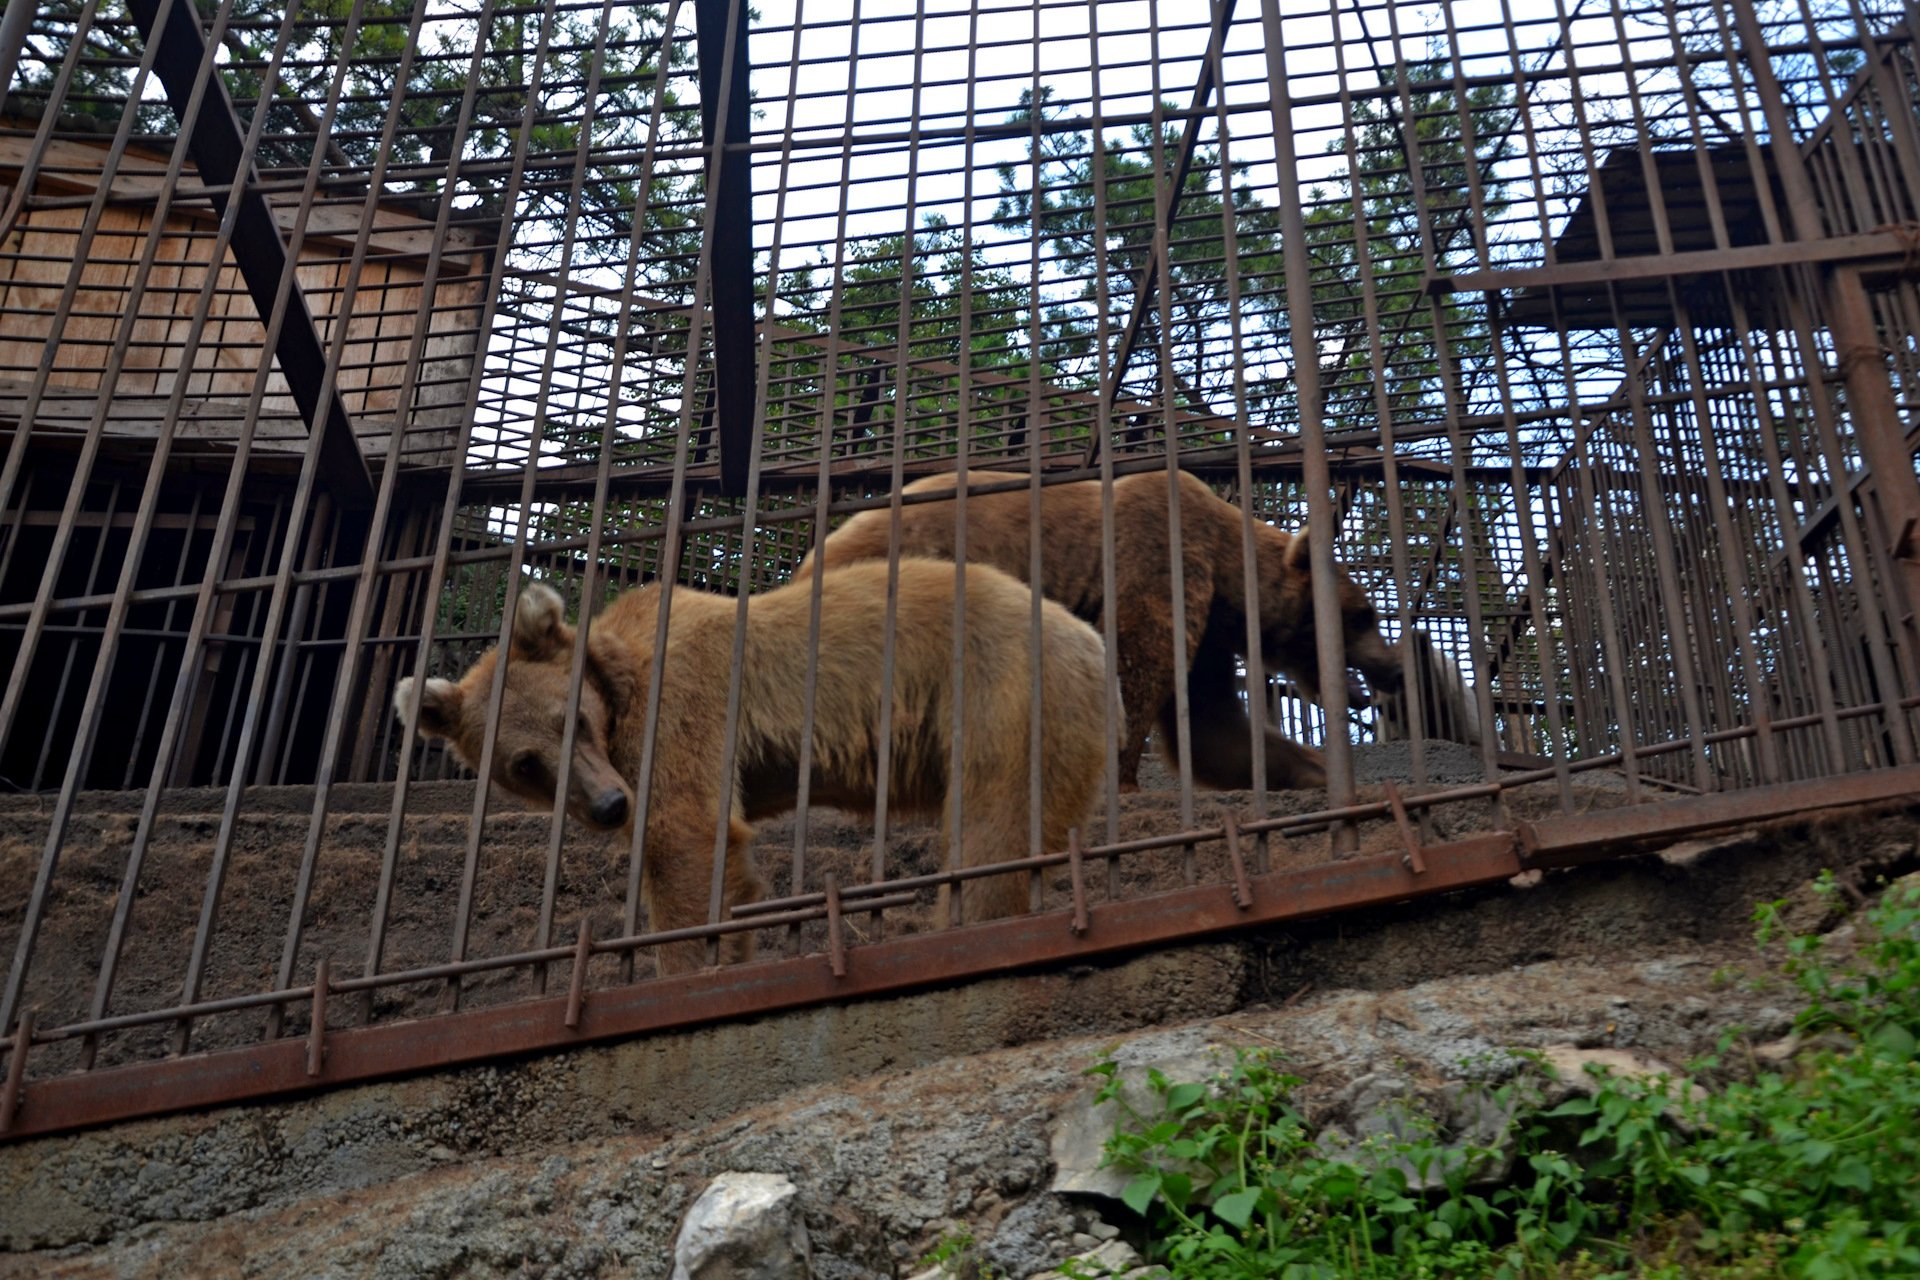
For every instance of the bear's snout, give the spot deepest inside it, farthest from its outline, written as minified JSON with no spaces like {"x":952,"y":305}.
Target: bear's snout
{"x":609,"y":808}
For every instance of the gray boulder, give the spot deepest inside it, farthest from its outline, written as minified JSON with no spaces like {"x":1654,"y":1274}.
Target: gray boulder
{"x":744,"y":1226}
{"x":1449,"y":1128}
{"x":1081,"y":1130}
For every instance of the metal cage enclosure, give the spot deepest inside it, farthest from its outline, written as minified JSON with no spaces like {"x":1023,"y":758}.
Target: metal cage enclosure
{"x":1586,"y":339}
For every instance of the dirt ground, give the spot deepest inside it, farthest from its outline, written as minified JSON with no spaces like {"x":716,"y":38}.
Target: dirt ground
{"x":251,"y":917}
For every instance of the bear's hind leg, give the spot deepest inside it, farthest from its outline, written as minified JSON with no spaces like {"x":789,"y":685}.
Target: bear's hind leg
{"x":1291,"y":765}
{"x":743,"y":884}
{"x":1221,"y":733}
{"x":994,"y":832}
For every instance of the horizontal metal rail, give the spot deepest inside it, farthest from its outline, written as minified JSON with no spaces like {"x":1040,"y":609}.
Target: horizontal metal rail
{"x":887,"y":967}
{"x":1871,"y":246}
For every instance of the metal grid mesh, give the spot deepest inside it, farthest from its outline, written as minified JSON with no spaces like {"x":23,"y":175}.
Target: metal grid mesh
{"x":1585,"y":336}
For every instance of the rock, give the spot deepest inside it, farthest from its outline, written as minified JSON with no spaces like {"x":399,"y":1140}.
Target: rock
{"x":1571,"y":1064}
{"x":744,"y":1226}
{"x":1690,"y":851}
{"x":1114,"y":1258}
{"x":1081,"y":1130}
{"x":1032,"y":1237}
{"x":1573,"y":1078}
{"x":1453,"y":1127}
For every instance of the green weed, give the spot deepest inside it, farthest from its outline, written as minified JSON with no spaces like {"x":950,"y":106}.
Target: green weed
{"x":1813,"y":1171}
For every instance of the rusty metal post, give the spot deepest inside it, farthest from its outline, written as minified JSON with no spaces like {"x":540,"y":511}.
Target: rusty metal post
{"x":577,"y":984}
{"x":1242,"y":891}
{"x":317,"y":1032}
{"x":836,"y":942}
{"x":1415,"y":859}
{"x":16,"y":1069}
{"x":1077,"y":873}
{"x":1316,"y":474}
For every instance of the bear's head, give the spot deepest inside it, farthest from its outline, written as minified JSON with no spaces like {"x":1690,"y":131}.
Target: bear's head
{"x":1292,"y":645}
{"x":526,"y":753}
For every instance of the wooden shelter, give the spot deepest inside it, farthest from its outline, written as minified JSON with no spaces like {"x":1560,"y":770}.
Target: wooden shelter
{"x":382,"y":303}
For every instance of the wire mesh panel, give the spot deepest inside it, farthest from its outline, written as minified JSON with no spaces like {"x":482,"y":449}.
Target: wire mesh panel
{"x":1511,"y":407}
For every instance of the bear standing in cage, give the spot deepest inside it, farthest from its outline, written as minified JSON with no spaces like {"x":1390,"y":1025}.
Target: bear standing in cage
{"x":998,"y":533}
{"x":687,"y":797}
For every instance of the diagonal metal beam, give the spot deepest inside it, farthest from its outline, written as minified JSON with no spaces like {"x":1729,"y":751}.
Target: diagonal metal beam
{"x":725,"y":122}
{"x":214,"y":140}
{"x":1149,"y":279}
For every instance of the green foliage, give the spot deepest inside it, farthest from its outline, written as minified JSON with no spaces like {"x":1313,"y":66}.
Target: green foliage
{"x":1382,"y":219}
{"x":954,"y":1255}
{"x":1058,"y":195}
{"x":1813,"y":1172}
{"x":517,"y":68}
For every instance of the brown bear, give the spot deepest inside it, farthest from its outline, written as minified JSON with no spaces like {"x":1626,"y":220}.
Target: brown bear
{"x":1216,"y":615}
{"x":687,"y":794}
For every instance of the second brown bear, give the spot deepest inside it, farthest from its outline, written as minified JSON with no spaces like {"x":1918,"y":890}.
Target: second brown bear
{"x":1216,"y":613}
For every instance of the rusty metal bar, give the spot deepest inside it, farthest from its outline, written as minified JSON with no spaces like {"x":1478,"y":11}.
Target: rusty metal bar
{"x":1415,"y":857}
{"x":1001,"y":946}
{"x":1242,"y":891}
{"x":359,"y":1053}
{"x":436,"y":565}
{"x":836,"y":942}
{"x":1565,"y":841}
{"x":1078,"y":874}
{"x":590,"y":576}
{"x":577,"y":983}
{"x":1316,"y":476}
{"x":16,"y":1071}
{"x":317,"y":1030}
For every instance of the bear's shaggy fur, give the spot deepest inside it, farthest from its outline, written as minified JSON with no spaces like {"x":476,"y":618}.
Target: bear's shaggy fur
{"x":1210,"y":540}
{"x":687,"y":794}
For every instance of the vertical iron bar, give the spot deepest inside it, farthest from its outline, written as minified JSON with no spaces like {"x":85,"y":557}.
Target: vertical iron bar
{"x":736,"y":71}
{"x":576,"y":672}
{"x":89,"y":719}
{"x":1184,"y":645}
{"x":902,"y":398}
{"x":449,"y":512}
{"x":16,"y":1062}
{"x":823,"y":485}
{"x":1102,"y":428}
{"x":1315,"y":473}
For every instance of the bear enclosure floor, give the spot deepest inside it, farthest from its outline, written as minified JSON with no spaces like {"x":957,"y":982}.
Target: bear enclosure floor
{"x":245,"y":947}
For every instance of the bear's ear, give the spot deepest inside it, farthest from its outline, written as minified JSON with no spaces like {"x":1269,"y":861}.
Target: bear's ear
{"x":539,"y":624}
{"x":1300,"y":553}
{"x":439,"y":705}
{"x":622,"y":681}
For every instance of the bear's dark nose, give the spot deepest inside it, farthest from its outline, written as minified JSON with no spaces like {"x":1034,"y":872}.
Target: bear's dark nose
{"x":610,"y":808}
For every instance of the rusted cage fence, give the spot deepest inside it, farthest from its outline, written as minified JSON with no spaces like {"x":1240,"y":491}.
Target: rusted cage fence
{"x":1582,"y":336}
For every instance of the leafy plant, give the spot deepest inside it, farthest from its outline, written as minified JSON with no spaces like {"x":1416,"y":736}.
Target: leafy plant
{"x":953,"y":1254}
{"x":1811,"y":1172}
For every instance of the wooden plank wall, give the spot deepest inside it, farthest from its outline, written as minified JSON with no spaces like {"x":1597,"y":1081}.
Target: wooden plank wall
{"x":37,"y":255}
